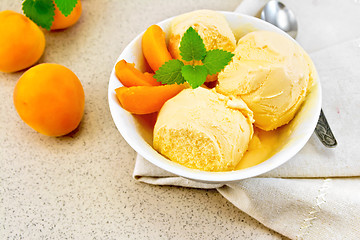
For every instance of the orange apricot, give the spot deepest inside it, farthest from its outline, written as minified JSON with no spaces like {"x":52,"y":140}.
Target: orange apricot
{"x":146,"y":99}
{"x":129,"y":76}
{"x":50,"y":99}
{"x":154,"y":47}
{"x":22,"y":42}
{"x":61,"y":22}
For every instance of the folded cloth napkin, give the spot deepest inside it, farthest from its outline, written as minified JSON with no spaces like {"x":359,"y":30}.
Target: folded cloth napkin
{"x":305,"y":198}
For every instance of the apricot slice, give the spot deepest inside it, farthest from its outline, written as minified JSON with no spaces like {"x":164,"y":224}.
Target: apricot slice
{"x":129,"y":76}
{"x":154,"y":47}
{"x":146,"y":99}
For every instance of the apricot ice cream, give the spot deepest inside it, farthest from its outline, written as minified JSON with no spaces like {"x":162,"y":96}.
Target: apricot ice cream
{"x":271,"y":73}
{"x":204,"y":130}
{"x":210,"y":25}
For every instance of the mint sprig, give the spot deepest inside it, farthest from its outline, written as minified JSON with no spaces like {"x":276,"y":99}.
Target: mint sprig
{"x":42,"y":12}
{"x":216,"y":60}
{"x":170,"y":72}
{"x":196,"y":73}
{"x":191,"y":48}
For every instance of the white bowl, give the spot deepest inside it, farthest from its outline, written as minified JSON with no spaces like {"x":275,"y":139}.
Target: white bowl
{"x":139,"y":137}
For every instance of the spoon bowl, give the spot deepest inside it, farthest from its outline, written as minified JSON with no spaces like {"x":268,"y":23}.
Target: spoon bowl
{"x":280,"y":16}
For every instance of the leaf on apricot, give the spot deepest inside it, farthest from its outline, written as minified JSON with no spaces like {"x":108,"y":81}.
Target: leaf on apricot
{"x":66,"y":6}
{"x":40,"y":12}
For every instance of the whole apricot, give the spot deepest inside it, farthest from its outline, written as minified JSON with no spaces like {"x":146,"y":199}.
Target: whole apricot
{"x":50,"y":99}
{"x":61,"y":22}
{"x":21,"y":42}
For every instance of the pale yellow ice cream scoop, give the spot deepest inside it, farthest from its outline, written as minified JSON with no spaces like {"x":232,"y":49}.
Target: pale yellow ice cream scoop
{"x":204,"y":130}
{"x":271,"y":73}
{"x":210,"y":25}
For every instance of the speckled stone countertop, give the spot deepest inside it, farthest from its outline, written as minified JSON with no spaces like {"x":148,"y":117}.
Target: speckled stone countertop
{"x":80,"y":186}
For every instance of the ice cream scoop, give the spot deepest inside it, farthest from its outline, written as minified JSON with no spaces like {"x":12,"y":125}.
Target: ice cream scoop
{"x":203,"y":130}
{"x":210,"y":25}
{"x":272,"y":74}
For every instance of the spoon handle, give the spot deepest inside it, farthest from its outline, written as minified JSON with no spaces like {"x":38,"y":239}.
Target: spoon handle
{"x":324,"y":133}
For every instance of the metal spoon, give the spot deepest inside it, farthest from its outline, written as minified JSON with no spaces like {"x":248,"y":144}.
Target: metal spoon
{"x":279,"y":15}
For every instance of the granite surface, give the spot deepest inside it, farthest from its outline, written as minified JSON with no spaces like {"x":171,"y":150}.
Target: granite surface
{"x":80,"y":186}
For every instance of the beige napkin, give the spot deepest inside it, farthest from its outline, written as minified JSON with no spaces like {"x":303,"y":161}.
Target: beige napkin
{"x":326,"y":208}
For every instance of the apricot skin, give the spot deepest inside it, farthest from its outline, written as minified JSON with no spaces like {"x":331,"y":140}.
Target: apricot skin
{"x":50,"y":99}
{"x":22,"y":42}
{"x":61,"y":22}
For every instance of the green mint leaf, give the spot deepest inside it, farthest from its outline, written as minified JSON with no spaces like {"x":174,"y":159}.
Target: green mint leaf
{"x":216,"y":60}
{"x":194,"y":75}
{"x":170,"y":72}
{"x":192,"y":46}
{"x":40,"y":12}
{"x":66,"y":6}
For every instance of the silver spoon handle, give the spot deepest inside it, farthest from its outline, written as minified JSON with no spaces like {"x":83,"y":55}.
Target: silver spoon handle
{"x":324,"y":133}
